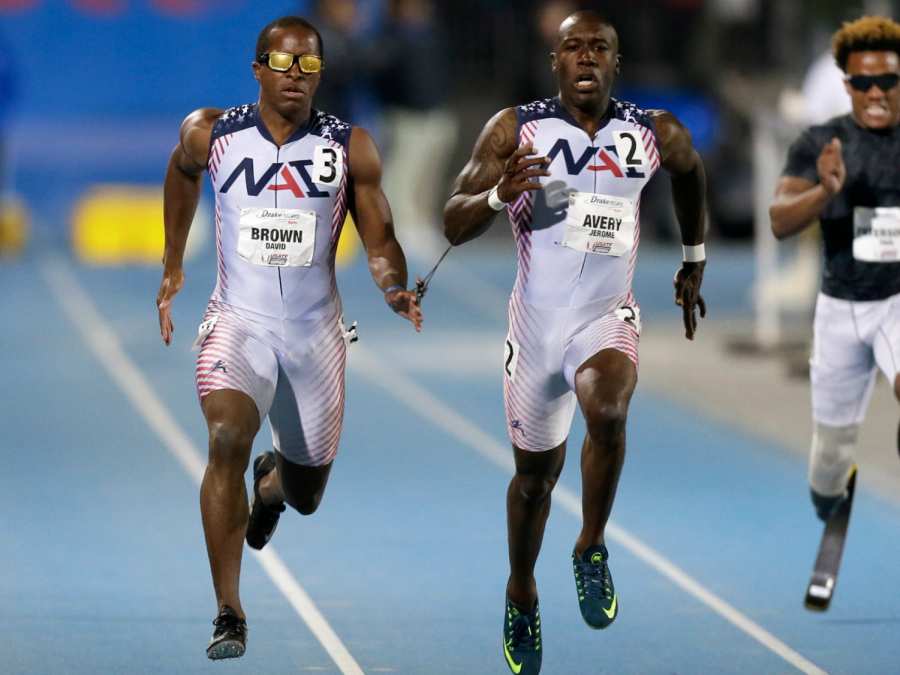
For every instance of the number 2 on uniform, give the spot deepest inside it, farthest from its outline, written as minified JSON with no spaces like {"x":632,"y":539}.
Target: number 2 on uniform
{"x":630,"y":148}
{"x":510,"y":358}
{"x":328,"y":166}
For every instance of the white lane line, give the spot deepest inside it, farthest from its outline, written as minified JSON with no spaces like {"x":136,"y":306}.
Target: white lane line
{"x":401,"y":387}
{"x":72,"y":297}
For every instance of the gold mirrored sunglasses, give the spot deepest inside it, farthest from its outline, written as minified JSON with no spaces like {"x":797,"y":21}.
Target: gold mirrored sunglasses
{"x":282,"y":62}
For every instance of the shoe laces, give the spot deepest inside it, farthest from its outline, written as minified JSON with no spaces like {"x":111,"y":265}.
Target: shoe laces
{"x":524,"y":631}
{"x":229,"y":623}
{"x":594,"y":581}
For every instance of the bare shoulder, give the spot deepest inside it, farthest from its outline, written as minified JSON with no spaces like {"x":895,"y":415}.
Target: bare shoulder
{"x":361,"y":139}
{"x":196,"y":132}
{"x":669,"y":129}
{"x":676,"y":146}
{"x":365,"y":162}
{"x":498,"y":138}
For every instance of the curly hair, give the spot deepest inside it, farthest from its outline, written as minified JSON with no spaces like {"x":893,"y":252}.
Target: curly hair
{"x":868,"y":34}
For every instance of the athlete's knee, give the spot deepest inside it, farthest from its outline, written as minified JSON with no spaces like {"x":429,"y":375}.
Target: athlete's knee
{"x":306,"y":503}
{"x":535,"y":488}
{"x":303,"y":486}
{"x":229,"y":445}
{"x":832,"y":457}
{"x":605,"y":421}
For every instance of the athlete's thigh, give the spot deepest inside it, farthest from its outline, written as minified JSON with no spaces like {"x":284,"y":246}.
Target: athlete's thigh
{"x":308,"y":409}
{"x":234,"y":356}
{"x":539,"y":404}
{"x":886,"y":343}
{"x":608,"y":343}
{"x":842,"y":365}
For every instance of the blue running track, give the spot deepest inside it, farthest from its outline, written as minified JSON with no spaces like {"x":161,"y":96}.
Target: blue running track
{"x":103,"y":567}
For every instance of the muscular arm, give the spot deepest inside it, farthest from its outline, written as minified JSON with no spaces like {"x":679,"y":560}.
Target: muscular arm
{"x":181,"y":194}
{"x":798,"y":201}
{"x":681,"y":161}
{"x":797,"y":205}
{"x":685,"y":168}
{"x":372,"y":215}
{"x":495,"y":159}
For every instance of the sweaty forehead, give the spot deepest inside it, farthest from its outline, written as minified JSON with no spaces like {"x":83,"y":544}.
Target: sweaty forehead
{"x":293,"y":40}
{"x":873,"y":63}
{"x":586,"y":28}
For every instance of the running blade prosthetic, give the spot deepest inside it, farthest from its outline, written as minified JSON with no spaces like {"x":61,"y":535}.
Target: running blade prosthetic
{"x":828,"y":561}
{"x":596,"y":593}
{"x":229,"y":640}
{"x":522,"y":639}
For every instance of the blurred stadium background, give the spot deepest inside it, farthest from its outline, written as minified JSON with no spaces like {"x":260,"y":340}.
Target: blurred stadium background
{"x":92,"y":94}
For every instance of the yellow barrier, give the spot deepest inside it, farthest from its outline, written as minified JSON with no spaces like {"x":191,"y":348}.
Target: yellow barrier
{"x":13,"y":226}
{"x":349,"y":244}
{"x":118,"y":224}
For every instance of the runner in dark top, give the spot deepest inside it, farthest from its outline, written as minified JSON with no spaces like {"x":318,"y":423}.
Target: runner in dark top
{"x":846,"y":175}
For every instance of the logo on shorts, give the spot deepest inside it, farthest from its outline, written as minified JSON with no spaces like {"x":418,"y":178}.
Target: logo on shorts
{"x":517,"y":426}
{"x":219,"y":365}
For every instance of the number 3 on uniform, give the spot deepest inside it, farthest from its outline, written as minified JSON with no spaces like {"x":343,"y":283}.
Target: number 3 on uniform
{"x":328,"y":166}
{"x":630,"y":148}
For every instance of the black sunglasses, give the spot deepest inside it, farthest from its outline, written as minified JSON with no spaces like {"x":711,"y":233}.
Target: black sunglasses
{"x":866,"y":82}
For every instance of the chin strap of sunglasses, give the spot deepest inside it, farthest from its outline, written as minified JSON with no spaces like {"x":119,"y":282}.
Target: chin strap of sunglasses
{"x":422,"y":284}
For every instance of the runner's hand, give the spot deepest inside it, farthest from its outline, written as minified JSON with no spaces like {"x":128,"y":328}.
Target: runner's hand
{"x":519,"y":170}
{"x":172,"y":282}
{"x":687,"y":295}
{"x":404,"y":303}
{"x":832,"y":172}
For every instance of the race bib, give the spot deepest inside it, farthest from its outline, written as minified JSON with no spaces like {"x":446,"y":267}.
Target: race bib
{"x":630,"y":149}
{"x":277,"y":237}
{"x":510,"y":358}
{"x":203,"y":332}
{"x":631,"y":316}
{"x":328,"y":165}
{"x":599,"y":224}
{"x":348,"y":334}
{"x":876,"y":234}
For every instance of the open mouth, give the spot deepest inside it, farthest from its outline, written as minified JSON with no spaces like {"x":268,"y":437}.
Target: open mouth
{"x":585,"y":82}
{"x":877,"y":110}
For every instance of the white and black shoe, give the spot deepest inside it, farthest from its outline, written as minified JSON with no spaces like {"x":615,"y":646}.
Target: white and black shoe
{"x":229,"y":641}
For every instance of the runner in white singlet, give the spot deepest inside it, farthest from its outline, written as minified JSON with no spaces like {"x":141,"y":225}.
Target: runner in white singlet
{"x":273,"y":341}
{"x":571,"y":170}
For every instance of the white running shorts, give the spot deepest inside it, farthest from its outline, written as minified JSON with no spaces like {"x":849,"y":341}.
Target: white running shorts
{"x":292,"y":369}
{"x":850,"y":339}
{"x":544,"y":349}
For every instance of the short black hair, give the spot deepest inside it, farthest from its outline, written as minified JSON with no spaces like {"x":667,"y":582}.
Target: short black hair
{"x":289,"y":21}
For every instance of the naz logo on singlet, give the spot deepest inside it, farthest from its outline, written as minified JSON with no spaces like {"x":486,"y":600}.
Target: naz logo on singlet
{"x":603,"y":157}
{"x":285,"y":180}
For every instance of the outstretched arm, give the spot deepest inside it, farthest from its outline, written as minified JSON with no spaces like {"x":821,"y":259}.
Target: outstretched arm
{"x":372,"y":215}
{"x":495,"y":162}
{"x":181,"y":194}
{"x":681,"y":161}
{"x":799,"y":202}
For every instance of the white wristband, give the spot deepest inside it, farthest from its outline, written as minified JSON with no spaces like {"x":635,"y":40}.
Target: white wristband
{"x":494,"y":201}
{"x":693,"y":254}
